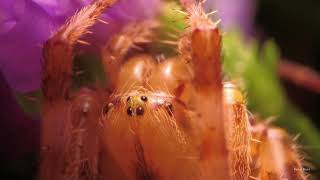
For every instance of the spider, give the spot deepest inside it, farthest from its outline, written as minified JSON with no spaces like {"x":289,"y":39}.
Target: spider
{"x":169,"y":120}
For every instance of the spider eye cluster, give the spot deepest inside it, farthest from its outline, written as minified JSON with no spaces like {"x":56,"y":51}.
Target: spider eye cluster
{"x":136,"y":105}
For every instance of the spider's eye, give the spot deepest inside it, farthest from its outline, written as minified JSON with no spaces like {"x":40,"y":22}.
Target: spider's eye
{"x":130,"y":111}
{"x":128,"y":98}
{"x":170,"y":109}
{"x":107,"y":108}
{"x":140,"y":111}
{"x":144,"y":98}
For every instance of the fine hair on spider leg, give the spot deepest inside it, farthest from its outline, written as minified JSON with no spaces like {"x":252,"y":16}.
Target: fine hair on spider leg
{"x":275,"y":155}
{"x":238,"y":133}
{"x":57,"y":112}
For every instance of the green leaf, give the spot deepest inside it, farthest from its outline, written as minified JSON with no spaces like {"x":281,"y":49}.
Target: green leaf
{"x":256,"y":71}
{"x":88,"y":71}
{"x":30,"y":102}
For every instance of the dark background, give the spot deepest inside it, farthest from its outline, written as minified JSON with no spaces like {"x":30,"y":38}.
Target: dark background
{"x":295,"y":26}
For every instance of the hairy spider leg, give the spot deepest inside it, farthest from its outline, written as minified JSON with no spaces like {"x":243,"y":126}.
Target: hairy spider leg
{"x":205,"y":43}
{"x":58,"y":50}
{"x":61,"y":159}
{"x":237,"y":131}
{"x":274,"y":155}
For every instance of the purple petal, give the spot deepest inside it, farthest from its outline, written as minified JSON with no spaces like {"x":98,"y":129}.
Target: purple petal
{"x":234,"y":13}
{"x":20,"y":47}
{"x":26,"y":24}
{"x":55,"y":7}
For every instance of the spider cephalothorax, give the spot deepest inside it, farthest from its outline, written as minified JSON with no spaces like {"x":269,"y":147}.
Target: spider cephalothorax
{"x":168,"y":120}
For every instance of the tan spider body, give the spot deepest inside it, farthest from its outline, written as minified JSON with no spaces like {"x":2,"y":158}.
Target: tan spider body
{"x":169,"y":120}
